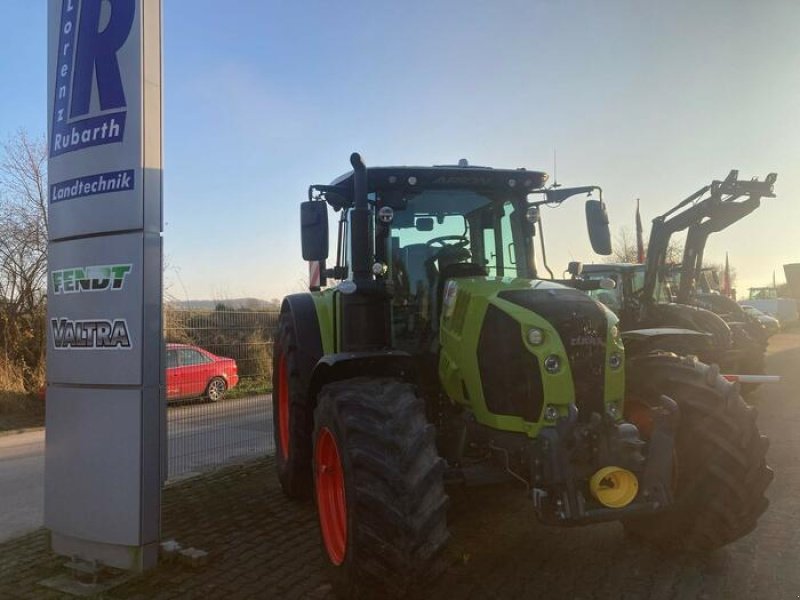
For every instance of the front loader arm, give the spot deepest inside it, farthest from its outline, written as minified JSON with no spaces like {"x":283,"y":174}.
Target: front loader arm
{"x":727,"y":202}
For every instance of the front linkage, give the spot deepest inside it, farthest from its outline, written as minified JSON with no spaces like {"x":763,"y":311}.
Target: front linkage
{"x":606,"y":459}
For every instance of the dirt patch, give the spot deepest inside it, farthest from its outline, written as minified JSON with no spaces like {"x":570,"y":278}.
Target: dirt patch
{"x":20,"y":411}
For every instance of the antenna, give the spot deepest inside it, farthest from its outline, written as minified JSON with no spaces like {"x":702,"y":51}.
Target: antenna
{"x":555,"y":170}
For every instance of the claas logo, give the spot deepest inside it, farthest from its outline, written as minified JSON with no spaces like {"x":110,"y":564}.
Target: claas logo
{"x":96,"y":278}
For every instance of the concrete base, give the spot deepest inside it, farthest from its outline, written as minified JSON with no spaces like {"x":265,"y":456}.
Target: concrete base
{"x":74,"y":587}
{"x":130,"y":558}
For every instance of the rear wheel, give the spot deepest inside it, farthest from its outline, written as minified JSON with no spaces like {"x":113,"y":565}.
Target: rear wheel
{"x":291,"y":417}
{"x":721,"y":472}
{"x":379,"y":488}
{"x":216,"y":388}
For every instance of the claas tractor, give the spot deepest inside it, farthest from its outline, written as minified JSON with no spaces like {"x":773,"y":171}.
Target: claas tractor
{"x":657,"y":295}
{"x":432,"y":354}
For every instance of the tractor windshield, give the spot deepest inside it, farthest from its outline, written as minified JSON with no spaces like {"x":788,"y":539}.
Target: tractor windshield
{"x":629,"y":282}
{"x":437,"y":228}
{"x":437,"y":234}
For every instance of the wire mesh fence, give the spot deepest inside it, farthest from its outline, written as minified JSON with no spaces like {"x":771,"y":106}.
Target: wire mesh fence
{"x":219,"y":371}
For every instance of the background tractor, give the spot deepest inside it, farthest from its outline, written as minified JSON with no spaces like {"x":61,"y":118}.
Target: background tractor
{"x":440,"y":357}
{"x":656,"y":295}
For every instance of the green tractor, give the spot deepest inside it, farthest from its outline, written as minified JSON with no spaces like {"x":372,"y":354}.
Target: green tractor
{"x":658,"y":295}
{"x":438,"y":357}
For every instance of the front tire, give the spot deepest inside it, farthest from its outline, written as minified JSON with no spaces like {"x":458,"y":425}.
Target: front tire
{"x":379,"y":488}
{"x":721,"y":471}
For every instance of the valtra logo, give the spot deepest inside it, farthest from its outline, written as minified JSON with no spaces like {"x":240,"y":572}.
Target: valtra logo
{"x":90,"y":36}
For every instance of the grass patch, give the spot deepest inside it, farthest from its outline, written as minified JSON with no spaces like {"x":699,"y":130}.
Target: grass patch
{"x":249,"y":387}
{"x":20,"y":411}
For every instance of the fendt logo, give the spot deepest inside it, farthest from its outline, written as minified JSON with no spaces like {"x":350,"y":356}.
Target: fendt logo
{"x":91,"y":33}
{"x":100,"y":334}
{"x":97,"y":278}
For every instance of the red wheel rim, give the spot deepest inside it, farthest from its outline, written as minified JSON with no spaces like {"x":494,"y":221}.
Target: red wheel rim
{"x":331,"y":501}
{"x":283,"y":406}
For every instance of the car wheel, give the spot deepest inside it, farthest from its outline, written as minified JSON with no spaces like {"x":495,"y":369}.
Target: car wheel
{"x":216,"y":389}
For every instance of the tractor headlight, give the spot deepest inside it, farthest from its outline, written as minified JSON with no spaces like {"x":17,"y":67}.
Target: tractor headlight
{"x":552,"y":364}
{"x":615,"y":360}
{"x":535,"y":336}
{"x":614,"y":333}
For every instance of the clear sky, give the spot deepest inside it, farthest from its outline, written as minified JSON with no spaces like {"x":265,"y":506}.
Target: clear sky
{"x":646,"y":99}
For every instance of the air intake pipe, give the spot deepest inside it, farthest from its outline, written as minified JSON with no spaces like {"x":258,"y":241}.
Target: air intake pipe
{"x":359,"y":222}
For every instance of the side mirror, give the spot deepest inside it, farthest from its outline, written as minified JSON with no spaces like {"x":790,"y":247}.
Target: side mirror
{"x":314,"y":230}
{"x":597,"y":223}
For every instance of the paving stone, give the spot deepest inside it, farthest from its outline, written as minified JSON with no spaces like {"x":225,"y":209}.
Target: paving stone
{"x":264,"y":546}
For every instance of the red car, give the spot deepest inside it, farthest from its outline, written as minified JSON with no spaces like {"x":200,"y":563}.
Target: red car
{"x":193,"y":372}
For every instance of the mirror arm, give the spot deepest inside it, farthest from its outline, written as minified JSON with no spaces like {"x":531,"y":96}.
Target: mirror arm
{"x":559,"y":195}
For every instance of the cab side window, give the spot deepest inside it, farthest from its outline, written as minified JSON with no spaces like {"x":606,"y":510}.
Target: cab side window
{"x":509,"y":267}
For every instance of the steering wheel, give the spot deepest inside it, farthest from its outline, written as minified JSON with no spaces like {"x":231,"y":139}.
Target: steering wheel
{"x":455,"y":252}
{"x":461,"y":241}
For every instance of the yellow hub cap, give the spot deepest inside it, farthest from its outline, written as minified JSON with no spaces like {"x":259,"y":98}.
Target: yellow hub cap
{"x":614,"y":487}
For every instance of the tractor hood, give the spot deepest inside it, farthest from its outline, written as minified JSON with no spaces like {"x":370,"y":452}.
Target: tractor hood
{"x":529,"y":344}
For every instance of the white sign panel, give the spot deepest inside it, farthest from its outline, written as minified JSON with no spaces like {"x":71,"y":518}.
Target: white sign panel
{"x":98,"y":155}
{"x":104,"y":352}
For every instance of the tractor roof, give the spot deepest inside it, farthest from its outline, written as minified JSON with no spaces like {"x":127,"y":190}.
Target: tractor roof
{"x":605,"y":267}
{"x":409,"y":179}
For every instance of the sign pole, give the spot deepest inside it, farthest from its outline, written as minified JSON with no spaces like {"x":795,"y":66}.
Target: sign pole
{"x":106,"y":413}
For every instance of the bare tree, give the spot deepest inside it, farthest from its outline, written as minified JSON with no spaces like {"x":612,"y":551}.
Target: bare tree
{"x":625,"y":248}
{"x":23,"y":252}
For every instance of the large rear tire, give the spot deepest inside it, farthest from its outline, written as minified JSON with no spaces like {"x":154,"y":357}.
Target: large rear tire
{"x":753,"y":359}
{"x":721,"y":471}
{"x":379,"y":488}
{"x":291,"y":416}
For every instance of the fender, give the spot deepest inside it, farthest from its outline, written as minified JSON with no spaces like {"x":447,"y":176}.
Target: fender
{"x":684,"y":316}
{"x":669,"y":339}
{"x":303,"y":313}
{"x":346,"y":365}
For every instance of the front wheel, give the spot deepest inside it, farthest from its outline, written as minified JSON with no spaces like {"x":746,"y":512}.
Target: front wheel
{"x":216,"y":388}
{"x":720,"y":467}
{"x":379,"y":488}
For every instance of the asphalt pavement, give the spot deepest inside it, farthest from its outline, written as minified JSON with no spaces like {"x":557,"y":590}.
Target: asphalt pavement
{"x":21,"y":482}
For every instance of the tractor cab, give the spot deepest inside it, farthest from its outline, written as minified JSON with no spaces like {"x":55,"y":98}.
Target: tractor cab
{"x":427,"y":225}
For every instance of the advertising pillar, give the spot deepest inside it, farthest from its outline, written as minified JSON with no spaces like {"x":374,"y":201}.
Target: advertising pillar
{"x":792,"y":273}
{"x":105,"y":424}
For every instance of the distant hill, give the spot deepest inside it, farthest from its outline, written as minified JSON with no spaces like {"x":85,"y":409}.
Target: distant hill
{"x":231,"y":303}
